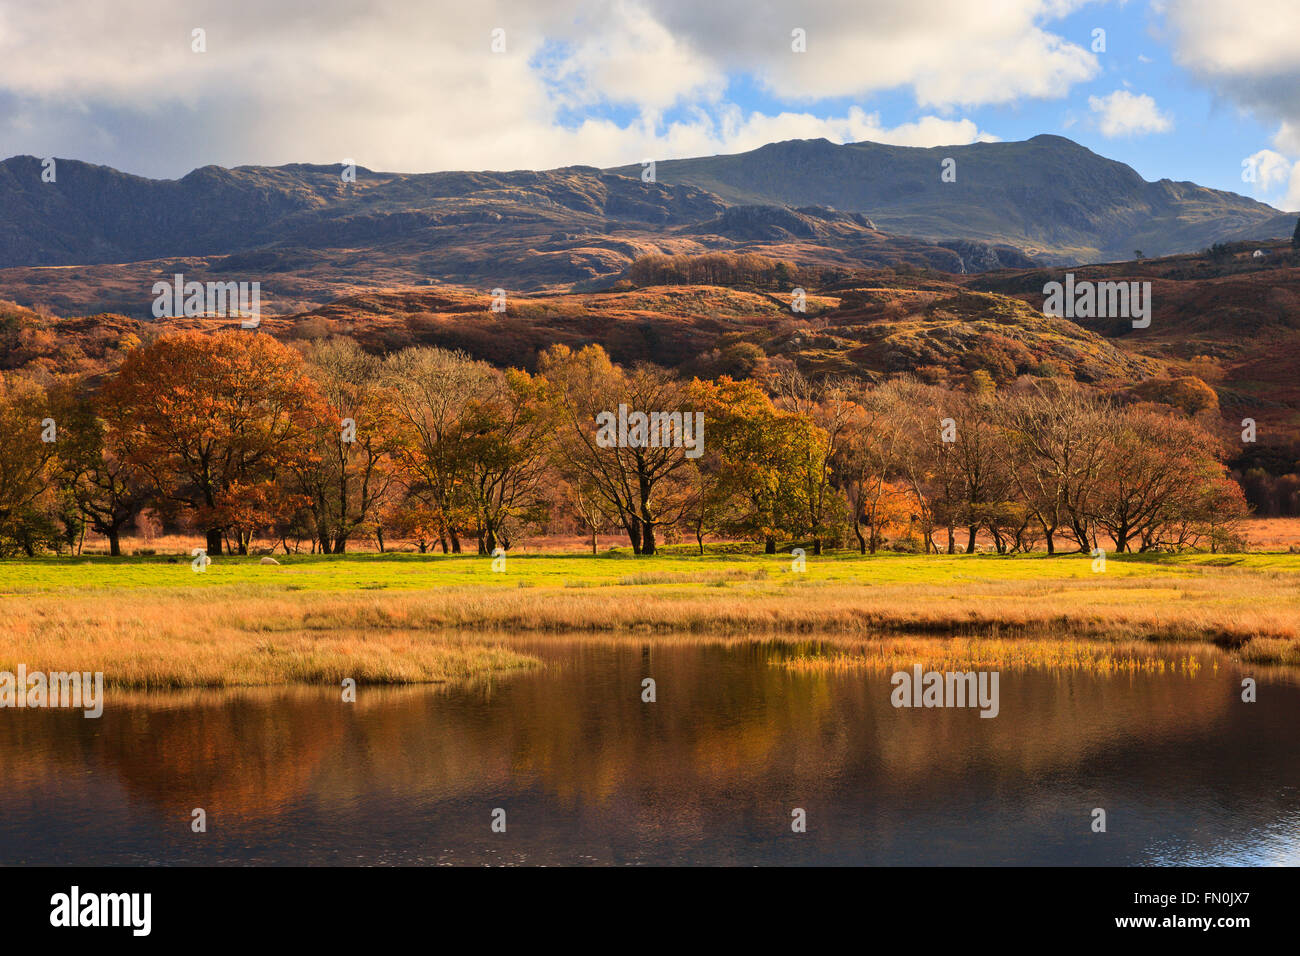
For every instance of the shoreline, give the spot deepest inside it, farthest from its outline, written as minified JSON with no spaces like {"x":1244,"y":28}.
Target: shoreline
{"x":398,"y":620}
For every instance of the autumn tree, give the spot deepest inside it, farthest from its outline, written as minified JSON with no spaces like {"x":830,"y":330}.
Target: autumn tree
{"x":869,"y":457}
{"x":107,"y":489}
{"x":506,"y":434}
{"x":212,"y":422}
{"x":645,"y":485}
{"x":827,"y":407}
{"x":28,"y":467}
{"x":1162,"y":483}
{"x":763,"y":459}
{"x":1055,"y":458}
{"x":433,"y":393}
{"x":350,"y":470}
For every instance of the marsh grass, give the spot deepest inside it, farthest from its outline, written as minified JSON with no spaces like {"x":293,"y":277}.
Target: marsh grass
{"x":1096,"y":657}
{"x":151,"y":654}
{"x":393,"y":618}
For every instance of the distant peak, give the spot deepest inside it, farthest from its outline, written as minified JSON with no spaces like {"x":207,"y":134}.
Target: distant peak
{"x":1053,"y":138}
{"x":820,"y":142}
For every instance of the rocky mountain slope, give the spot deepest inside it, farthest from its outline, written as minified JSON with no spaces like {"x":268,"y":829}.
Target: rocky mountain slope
{"x":1048,"y":196}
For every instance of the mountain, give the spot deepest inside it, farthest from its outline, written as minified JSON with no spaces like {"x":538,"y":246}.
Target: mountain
{"x":309,"y":237}
{"x":938,"y":327}
{"x":1230,"y":319}
{"x":96,"y":239}
{"x":1047,"y":196}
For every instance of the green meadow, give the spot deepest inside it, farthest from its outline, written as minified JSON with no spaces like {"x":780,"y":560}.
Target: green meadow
{"x":396,"y":618}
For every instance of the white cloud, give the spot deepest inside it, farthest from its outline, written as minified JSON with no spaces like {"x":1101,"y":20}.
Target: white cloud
{"x":948,"y":52}
{"x":409,"y":85}
{"x":1128,"y":114}
{"x":1291,"y":201}
{"x":1270,"y":167}
{"x":1288,"y":138}
{"x":1247,"y":53}
{"x":1251,"y":40}
{"x":1273,"y":170}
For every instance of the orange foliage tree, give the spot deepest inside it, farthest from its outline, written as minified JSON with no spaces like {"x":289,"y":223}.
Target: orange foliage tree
{"x":214,"y":421}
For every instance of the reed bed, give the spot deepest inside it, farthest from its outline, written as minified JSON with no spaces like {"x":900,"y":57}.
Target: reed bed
{"x":392,"y":620}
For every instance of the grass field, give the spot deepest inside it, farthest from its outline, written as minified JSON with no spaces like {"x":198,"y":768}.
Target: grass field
{"x":153,"y":621}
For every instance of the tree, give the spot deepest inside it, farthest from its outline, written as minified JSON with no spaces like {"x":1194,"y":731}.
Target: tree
{"x":644,"y":485}
{"x":826,"y":406}
{"x":762,"y":453}
{"x":1295,"y":236}
{"x":579,"y":495}
{"x":1054,"y":454}
{"x":433,"y":392}
{"x":350,"y":471}
{"x":875,"y":443}
{"x":211,"y":422}
{"x":28,"y":468}
{"x":506,"y":434}
{"x":106,"y":487}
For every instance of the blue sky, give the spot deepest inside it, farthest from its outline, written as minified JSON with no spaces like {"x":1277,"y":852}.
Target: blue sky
{"x":1185,"y":89}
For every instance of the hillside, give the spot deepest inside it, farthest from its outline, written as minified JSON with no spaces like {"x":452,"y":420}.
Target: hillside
{"x":96,"y":239}
{"x":1047,"y":196}
{"x":941,"y":331}
{"x":1230,"y":319}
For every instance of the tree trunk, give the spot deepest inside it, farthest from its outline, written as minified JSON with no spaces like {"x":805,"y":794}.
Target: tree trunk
{"x":817,"y":546}
{"x":952,"y":540}
{"x":633,"y":528}
{"x":769,"y":545}
{"x":115,"y":543}
{"x":647,"y":538}
{"x":970,"y":541}
{"x":214,"y":542}
{"x":593,"y":542}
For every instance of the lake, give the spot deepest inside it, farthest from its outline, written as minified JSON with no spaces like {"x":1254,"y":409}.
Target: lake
{"x":588,"y":773}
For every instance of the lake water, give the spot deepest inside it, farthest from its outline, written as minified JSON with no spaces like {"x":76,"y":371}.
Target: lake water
{"x":708,"y":774}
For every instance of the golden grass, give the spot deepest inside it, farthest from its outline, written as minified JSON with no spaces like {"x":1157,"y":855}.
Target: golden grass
{"x":173,"y":647}
{"x":1000,"y":653}
{"x":392,"y":620}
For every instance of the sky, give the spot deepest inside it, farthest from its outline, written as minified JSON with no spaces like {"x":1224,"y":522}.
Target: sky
{"x":1199,"y":90}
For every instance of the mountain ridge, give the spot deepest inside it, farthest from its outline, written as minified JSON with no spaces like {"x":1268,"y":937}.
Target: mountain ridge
{"x":1091,"y":210}
{"x":310,"y":236}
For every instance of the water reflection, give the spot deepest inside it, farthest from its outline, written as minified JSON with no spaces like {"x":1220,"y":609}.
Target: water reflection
{"x":709,"y":773}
